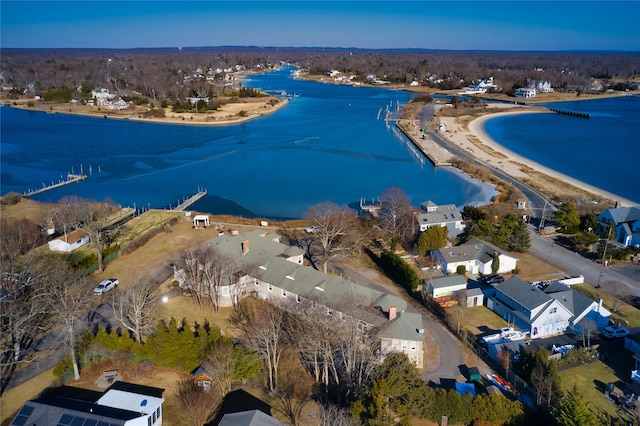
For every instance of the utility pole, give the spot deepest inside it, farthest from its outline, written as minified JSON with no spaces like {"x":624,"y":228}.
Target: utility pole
{"x":604,"y":252}
{"x":544,"y":211}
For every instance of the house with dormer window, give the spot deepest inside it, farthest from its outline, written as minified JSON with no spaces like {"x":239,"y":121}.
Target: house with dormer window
{"x":448,"y":215}
{"x":274,"y":272}
{"x":544,"y":310}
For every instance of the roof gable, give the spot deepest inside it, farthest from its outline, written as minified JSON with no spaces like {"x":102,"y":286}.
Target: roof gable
{"x":405,"y":326}
{"x":523,"y":293}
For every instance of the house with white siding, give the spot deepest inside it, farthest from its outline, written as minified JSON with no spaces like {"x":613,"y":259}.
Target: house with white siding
{"x":447,"y":215}
{"x":626,"y":223}
{"x":544,"y":311}
{"x":69,"y":241}
{"x":475,"y":255}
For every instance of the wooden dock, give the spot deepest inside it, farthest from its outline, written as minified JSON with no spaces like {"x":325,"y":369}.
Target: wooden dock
{"x":71,"y":178}
{"x":191,"y":200}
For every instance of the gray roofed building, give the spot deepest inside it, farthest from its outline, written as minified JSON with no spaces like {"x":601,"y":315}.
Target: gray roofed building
{"x":544,"y":312}
{"x":475,"y":255}
{"x":446,"y":285}
{"x":249,"y":418}
{"x":626,"y":221}
{"x":268,"y":273}
{"x":123,"y":404}
{"x":447,"y":215}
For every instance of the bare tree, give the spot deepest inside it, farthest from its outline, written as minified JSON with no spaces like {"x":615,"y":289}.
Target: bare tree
{"x":221,"y":364}
{"x":588,"y":328}
{"x":263,"y":329}
{"x":91,"y":217}
{"x":204,"y":270}
{"x":331,"y":222}
{"x":17,"y":238}
{"x":396,"y":214}
{"x":294,"y":389}
{"x":197,"y":406}
{"x":330,"y":415}
{"x":65,"y":298}
{"x":136,"y":308}
{"x":619,"y":291}
{"x":459,"y":308}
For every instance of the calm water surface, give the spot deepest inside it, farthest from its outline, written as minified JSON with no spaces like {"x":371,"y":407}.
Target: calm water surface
{"x":603,"y":151}
{"x":325,"y":145}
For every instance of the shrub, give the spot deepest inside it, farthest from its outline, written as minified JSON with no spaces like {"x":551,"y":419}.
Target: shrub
{"x":11,"y":199}
{"x":399,"y":270}
{"x":62,"y":367}
{"x":461,"y":270}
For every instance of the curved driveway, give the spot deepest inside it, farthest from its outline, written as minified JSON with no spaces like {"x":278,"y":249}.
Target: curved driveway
{"x":449,"y":351}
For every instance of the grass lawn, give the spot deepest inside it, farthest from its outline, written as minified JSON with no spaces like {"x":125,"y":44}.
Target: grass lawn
{"x":479,"y":320}
{"x":591,"y":379}
{"x":627,"y":314}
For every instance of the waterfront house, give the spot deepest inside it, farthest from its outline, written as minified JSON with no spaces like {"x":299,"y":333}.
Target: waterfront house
{"x":122,"y":404}
{"x":475,"y":255}
{"x":626,"y":223}
{"x":544,"y":311}
{"x":69,"y":241}
{"x":525,"y":92}
{"x":431,"y":215}
{"x":274,"y":272}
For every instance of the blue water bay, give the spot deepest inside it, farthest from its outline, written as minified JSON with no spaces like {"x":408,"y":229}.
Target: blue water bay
{"x":327,"y":144}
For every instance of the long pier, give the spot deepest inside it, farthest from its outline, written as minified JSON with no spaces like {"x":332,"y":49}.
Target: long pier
{"x":573,"y":113}
{"x":191,"y":200}
{"x":71,"y":178}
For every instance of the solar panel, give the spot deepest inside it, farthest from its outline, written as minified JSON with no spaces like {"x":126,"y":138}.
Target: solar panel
{"x":90,"y":422}
{"x":26,"y":410}
{"x":77,"y":421}
{"x":20,"y":420}
{"x":65,"y":420}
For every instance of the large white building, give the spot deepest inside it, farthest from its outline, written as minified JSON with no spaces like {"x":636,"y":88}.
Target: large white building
{"x":431,"y":215}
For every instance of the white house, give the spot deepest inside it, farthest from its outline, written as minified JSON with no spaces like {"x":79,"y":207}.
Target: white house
{"x":431,"y":215}
{"x":69,"y":241}
{"x":123,"y":404}
{"x":525,"y":92}
{"x":446,"y":286}
{"x":545,"y":311}
{"x":626,"y":222}
{"x":475,"y":255}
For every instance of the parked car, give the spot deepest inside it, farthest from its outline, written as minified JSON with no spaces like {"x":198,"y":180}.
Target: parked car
{"x":493,"y":279}
{"x":106,"y":285}
{"x":614,"y":331}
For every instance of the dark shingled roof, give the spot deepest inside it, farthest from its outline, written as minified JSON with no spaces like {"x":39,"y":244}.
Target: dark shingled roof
{"x":523,"y":293}
{"x":139,"y":389}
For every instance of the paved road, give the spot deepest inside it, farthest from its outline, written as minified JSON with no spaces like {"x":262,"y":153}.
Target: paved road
{"x":572,"y":263}
{"x":537,"y":203}
{"x":449,"y":348}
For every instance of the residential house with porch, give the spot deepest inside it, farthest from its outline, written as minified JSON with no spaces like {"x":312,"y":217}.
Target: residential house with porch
{"x":544,"y":311}
{"x":626,"y":223}
{"x":475,"y":255}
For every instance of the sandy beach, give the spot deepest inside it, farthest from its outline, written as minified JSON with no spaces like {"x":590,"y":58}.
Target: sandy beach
{"x":477,"y":142}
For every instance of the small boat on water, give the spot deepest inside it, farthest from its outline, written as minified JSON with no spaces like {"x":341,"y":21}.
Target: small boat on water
{"x":507,"y":334}
{"x":499,"y":381}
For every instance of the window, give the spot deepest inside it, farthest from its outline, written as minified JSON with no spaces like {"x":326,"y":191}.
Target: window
{"x":149,"y":421}
{"x":314,"y":304}
{"x":154,"y":417}
{"x":413,"y":346}
{"x":394,"y":345}
{"x":158,"y":413}
{"x":553,"y":310}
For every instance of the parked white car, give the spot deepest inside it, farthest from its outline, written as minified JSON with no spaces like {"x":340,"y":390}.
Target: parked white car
{"x":106,"y":285}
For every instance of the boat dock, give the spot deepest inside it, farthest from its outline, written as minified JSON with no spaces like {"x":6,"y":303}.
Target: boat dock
{"x":573,"y":113}
{"x":71,"y":178}
{"x":186,"y":202}
{"x":437,"y":155}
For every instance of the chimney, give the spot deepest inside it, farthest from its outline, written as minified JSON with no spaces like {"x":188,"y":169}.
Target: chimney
{"x":392,"y":312}
{"x":245,"y":246}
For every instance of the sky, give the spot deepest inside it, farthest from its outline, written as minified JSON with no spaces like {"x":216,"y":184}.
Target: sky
{"x":449,"y":25}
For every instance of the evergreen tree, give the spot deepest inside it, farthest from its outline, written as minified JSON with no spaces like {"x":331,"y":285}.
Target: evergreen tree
{"x":495,"y":263}
{"x":431,"y":239}
{"x":574,"y":411}
{"x":567,"y":218}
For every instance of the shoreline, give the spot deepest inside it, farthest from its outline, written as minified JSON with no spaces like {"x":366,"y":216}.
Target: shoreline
{"x":511,"y":162}
{"x":185,"y":121}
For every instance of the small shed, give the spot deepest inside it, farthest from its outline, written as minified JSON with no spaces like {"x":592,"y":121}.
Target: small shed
{"x":475,"y":297}
{"x":69,"y":241}
{"x":203,"y":378}
{"x":201,"y":221}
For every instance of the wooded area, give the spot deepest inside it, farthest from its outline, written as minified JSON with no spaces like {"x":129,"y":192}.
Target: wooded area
{"x":173,"y":74}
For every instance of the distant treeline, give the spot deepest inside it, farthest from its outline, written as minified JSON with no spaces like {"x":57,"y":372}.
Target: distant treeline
{"x":175,"y":74}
